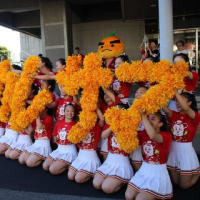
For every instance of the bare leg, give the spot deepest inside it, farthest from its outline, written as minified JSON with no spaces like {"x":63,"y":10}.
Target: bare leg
{"x":14,"y":154}
{"x":3,"y":148}
{"x":130,"y":193}
{"x":136,"y":166}
{"x":144,"y":196}
{"x":97,"y":181}
{"x":71,"y":174}
{"x":111,"y":185}
{"x":46,"y":164}
{"x":174,"y":176}
{"x":187,"y":181}
{"x":33,"y":161}
{"x":58,"y":167}
{"x":82,"y":177}
{"x":7,"y":153}
{"x":23,"y":158}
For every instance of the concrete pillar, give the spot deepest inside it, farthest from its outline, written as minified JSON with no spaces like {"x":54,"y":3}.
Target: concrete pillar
{"x":56,"y":28}
{"x":166,"y":29}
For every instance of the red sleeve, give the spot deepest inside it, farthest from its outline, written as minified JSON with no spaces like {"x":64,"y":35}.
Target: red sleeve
{"x":191,"y":84}
{"x":174,"y":114}
{"x":53,"y":96}
{"x":48,"y":123}
{"x":125,"y":89}
{"x":140,"y":136}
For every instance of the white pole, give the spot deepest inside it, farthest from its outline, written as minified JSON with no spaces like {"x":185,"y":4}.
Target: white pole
{"x":166,"y":29}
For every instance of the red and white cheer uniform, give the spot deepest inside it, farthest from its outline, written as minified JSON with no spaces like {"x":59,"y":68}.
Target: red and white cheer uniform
{"x":117,"y":164}
{"x":153,"y":177}
{"x":88,"y":160}
{"x":66,"y":151}
{"x":182,"y":156}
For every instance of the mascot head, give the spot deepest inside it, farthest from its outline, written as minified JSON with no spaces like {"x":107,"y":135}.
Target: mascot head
{"x":110,"y":47}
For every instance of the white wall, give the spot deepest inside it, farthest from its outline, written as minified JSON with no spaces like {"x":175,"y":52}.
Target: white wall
{"x":29,"y":46}
{"x":87,"y":35}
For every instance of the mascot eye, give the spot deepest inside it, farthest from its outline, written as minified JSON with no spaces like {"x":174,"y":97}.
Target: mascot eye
{"x":112,"y":45}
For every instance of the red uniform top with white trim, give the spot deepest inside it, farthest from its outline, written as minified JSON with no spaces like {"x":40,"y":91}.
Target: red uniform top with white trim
{"x":60,"y":110}
{"x":2,"y":125}
{"x":152,"y":151}
{"x":47,"y":130}
{"x":113,"y":146}
{"x":91,"y":141}
{"x":183,"y":127}
{"x":61,"y":131}
{"x":191,"y":84}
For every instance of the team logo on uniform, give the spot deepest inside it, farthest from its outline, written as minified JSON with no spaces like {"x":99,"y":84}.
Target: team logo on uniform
{"x":62,"y":134}
{"x":179,"y":127}
{"x":62,"y":110}
{"x":88,"y":139}
{"x":114,"y":142}
{"x":148,"y":149}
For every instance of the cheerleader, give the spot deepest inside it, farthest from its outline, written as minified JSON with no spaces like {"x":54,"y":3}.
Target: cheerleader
{"x":183,"y":162}
{"x":66,"y":153}
{"x":9,"y":138}
{"x":116,"y":169}
{"x":121,"y":88}
{"x":152,"y":180}
{"x":136,"y":156}
{"x":109,"y":100}
{"x":87,"y":162}
{"x":33,"y":155}
{"x":24,"y":140}
{"x":191,"y":81}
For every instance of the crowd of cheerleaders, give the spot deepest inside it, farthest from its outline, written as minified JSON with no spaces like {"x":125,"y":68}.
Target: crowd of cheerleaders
{"x":165,"y":141}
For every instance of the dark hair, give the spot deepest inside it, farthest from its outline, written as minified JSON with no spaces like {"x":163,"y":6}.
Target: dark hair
{"x":51,"y":83}
{"x":180,"y":41}
{"x":47,"y":62}
{"x":17,"y":67}
{"x":35,"y":89}
{"x":163,"y":119}
{"x":62,"y":61}
{"x":75,"y":110}
{"x":191,"y":97}
{"x":182,"y":55}
{"x":40,"y":55}
{"x":154,"y":41}
{"x":124,"y":58}
{"x":77,"y":48}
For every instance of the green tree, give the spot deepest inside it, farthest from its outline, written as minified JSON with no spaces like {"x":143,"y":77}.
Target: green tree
{"x":4,"y":52}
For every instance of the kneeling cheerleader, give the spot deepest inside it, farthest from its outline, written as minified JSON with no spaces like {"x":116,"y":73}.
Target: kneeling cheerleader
{"x":33,"y":155}
{"x":183,"y":162}
{"x":116,"y":169}
{"x":66,"y":153}
{"x":87,"y":162}
{"x":152,"y":180}
{"x":24,"y":140}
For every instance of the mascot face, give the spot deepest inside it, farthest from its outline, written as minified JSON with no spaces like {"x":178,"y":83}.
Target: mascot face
{"x":110,"y":47}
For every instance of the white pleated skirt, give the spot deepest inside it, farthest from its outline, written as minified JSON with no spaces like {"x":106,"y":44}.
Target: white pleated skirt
{"x":23,"y":141}
{"x":104,"y":146}
{"x":87,"y":162}
{"x":183,"y":158}
{"x":2,"y":131}
{"x":153,"y":179}
{"x":40,"y":147}
{"x":66,"y":153}
{"x":9,"y":137}
{"x":136,"y":156}
{"x":117,"y":166}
